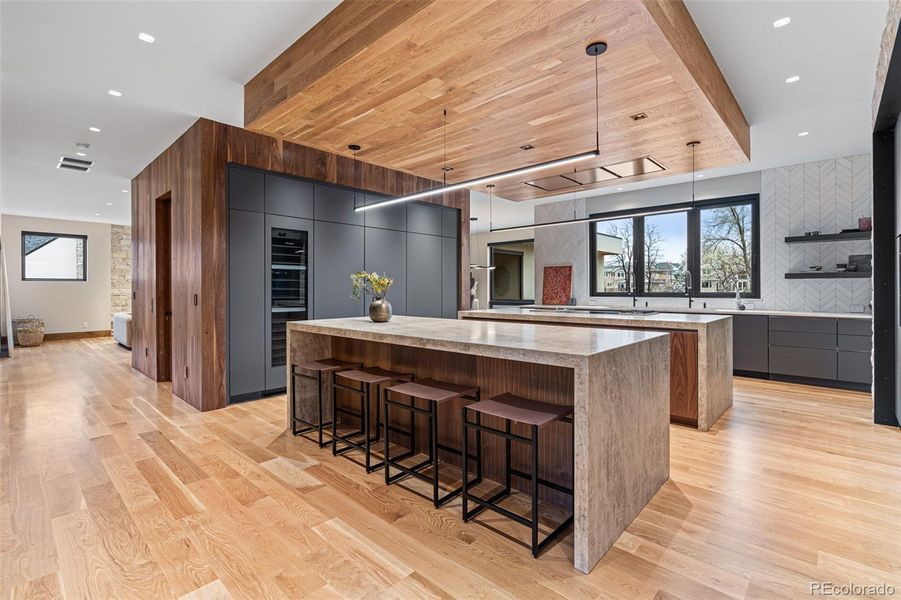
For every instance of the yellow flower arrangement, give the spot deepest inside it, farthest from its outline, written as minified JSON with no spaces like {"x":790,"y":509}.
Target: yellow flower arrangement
{"x":370,"y":283}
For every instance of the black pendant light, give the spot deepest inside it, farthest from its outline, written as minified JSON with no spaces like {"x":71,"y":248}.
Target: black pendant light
{"x":355,"y":148}
{"x":693,"y":146}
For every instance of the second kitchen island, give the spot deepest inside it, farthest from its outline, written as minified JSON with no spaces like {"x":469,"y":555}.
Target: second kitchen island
{"x":617,"y":382}
{"x":700,"y":351}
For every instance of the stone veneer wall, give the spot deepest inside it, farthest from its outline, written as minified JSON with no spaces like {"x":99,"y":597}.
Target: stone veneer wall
{"x":120,"y":268}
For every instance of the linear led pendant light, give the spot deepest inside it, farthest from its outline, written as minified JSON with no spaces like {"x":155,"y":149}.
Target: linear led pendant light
{"x":595,"y":49}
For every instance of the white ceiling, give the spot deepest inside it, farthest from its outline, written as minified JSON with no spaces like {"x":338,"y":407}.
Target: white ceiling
{"x":832,"y":45}
{"x":60,"y":58}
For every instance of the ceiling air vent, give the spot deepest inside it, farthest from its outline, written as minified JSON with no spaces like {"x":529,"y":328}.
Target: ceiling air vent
{"x":74,"y":164}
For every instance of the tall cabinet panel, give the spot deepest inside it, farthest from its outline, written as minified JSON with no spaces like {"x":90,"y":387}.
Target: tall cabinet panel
{"x":448,"y":278}
{"x":288,"y":242}
{"x":246,"y":318}
{"x":424,"y":275}
{"x":386,"y":252}
{"x":338,"y":250}
{"x":288,"y":197}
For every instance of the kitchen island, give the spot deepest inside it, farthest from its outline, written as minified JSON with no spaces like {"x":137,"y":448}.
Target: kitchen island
{"x":700,"y":351}
{"x":616,"y":380}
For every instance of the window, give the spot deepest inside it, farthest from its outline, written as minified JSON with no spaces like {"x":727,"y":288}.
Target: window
{"x":665,"y":253}
{"x":54,"y":257}
{"x":612,"y":254}
{"x":712,"y":246}
{"x":727,"y":248}
{"x":513,"y":277}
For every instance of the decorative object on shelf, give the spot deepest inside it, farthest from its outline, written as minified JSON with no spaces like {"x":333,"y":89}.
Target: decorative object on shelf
{"x":738,"y":302}
{"x":376,"y":286}
{"x":841,"y":267}
{"x":851,"y":230}
{"x":865,"y":223}
{"x":811,"y":233}
{"x":28,"y":331}
{"x":860,"y":262}
{"x":815,"y":267}
{"x":557,"y":285}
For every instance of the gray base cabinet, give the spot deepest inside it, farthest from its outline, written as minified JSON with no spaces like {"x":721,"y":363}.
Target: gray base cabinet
{"x":750,"y":351}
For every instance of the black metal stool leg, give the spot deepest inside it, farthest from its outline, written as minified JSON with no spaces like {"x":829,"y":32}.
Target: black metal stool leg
{"x":334,"y":417}
{"x":466,"y":465}
{"x":508,"y":456}
{"x":385,"y":394}
{"x":433,"y":448}
{"x":535,"y":490}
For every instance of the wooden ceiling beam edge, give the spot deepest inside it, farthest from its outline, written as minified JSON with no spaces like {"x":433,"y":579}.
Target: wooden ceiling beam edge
{"x":336,"y":86}
{"x":676,"y":24}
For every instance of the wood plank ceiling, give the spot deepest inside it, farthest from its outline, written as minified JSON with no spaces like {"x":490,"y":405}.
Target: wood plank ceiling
{"x":510,"y":73}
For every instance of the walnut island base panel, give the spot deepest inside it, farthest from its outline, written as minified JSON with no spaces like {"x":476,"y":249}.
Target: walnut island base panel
{"x":700,"y":352}
{"x":616,"y":380}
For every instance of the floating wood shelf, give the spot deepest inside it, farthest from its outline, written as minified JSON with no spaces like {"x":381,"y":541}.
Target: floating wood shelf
{"x":829,"y":237}
{"x":829,"y":275}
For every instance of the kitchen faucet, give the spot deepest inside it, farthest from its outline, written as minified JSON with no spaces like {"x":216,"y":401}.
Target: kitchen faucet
{"x":688,"y":286}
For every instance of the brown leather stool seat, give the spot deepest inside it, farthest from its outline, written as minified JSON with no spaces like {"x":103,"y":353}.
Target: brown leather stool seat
{"x":370,"y":379}
{"x":319,"y":368}
{"x":514,"y":409}
{"x":435,"y":393}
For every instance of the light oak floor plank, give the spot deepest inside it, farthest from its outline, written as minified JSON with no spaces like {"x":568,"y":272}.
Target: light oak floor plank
{"x":112,"y":487}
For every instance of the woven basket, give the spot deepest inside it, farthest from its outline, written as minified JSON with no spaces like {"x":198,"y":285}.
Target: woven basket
{"x":30,"y":336}
{"x":29,"y":323}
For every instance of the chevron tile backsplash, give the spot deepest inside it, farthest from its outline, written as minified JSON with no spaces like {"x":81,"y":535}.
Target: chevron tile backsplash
{"x":827,"y":196}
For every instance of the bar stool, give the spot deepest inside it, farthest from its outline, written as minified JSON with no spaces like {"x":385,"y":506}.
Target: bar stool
{"x":515,"y":409}
{"x":435,"y":393}
{"x":319,"y":367}
{"x":370,"y":379}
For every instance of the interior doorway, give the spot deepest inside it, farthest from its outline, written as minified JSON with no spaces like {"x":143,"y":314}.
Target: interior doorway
{"x":163,"y":298}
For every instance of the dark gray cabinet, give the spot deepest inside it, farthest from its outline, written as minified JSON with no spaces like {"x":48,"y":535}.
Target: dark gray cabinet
{"x":288,"y":197}
{"x":424,"y":275}
{"x":750,"y":350}
{"x":393,"y":216}
{"x":813,"y":347}
{"x":450,"y":222}
{"x":246,"y":302}
{"x":245,"y":189}
{"x":337,"y":205}
{"x":386,"y":252}
{"x":448,"y":278}
{"x":425,"y":218}
{"x":337,"y":252}
{"x":803,"y":362}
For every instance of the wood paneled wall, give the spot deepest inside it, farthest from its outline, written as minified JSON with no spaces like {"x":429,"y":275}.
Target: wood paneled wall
{"x":193,"y":171}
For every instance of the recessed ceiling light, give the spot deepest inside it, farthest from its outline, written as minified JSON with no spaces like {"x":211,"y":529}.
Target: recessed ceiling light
{"x":80,"y":154}
{"x":619,"y":189}
{"x":803,"y":133}
{"x":124,"y":191}
{"x":96,"y":214}
{"x":781,"y":22}
{"x":94,"y":129}
{"x":700,"y":175}
{"x":115,"y":93}
{"x":793,"y":79}
{"x":146,"y":37}
{"x":109,"y":203}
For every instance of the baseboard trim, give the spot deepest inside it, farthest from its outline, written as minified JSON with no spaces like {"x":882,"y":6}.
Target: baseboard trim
{"x":74,"y":335}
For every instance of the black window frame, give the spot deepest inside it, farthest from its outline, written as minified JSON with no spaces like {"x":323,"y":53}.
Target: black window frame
{"x":84,"y":271}
{"x":491,"y":300}
{"x":693,"y":251}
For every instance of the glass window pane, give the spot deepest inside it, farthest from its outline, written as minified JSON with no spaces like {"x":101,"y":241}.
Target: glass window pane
{"x":613,"y":264}
{"x":47,"y":256}
{"x":665,"y":253}
{"x":726,"y":249}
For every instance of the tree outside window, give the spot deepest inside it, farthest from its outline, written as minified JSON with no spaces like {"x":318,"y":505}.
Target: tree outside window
{"x":726,"y":248}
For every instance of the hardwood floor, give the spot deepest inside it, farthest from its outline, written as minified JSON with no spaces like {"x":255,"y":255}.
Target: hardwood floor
{"x":111,"y":488}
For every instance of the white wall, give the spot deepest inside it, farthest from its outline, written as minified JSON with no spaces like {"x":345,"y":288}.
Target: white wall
{"x":65,"y":306}
{"x":825,"y":195}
